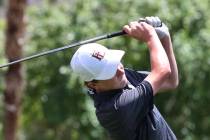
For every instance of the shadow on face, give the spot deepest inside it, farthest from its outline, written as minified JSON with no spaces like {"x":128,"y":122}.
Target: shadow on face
{"x":118,"y":81}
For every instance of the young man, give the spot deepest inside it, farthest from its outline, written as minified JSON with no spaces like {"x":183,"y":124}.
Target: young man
{"x":123,"y":98}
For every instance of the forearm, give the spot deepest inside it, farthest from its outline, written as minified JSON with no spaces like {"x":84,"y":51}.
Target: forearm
{"x":172,"y":80}
{"x":158,"y":56}
{"x":160,"y":67}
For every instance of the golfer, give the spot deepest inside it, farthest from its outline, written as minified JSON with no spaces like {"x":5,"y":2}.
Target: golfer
{"x":123,"y":98}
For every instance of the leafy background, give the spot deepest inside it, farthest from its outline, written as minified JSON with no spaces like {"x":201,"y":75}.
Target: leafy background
{"x":55,"y":107}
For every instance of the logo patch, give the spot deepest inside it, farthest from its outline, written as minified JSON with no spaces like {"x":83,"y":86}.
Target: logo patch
{"x":98,"y":55}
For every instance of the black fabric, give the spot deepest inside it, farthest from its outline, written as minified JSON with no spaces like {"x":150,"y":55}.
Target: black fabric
{"x":129,"y":113}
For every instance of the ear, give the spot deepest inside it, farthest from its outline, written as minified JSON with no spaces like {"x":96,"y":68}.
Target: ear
{"x":91,"y":85}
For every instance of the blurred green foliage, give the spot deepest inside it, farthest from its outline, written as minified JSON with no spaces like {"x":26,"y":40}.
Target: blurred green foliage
{"x":55,"y":105}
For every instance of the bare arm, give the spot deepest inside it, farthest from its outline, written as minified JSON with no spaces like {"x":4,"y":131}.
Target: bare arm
{"x":172,"y":81}
{"x":160,"y":67}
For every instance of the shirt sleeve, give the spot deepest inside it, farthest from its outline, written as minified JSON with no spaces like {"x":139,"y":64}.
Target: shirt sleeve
{"x":134,"y":104}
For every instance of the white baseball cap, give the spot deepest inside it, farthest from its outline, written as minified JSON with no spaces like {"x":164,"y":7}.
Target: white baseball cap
{"x":95,"y":62}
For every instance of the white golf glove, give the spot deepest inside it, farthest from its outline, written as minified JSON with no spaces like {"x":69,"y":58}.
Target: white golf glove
{"x":161,"y":31}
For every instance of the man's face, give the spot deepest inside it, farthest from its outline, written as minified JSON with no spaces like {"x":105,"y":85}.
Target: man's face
{"x":117,"y":82}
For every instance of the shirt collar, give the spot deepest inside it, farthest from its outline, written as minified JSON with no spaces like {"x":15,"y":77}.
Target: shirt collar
{"x":106,"y":95}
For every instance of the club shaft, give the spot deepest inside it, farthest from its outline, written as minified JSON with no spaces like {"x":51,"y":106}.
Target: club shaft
{"x":106,"y":36}
{"x":114,"y":34}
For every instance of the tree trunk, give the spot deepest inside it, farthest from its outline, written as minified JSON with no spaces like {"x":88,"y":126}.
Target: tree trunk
{"x":14,"y":77}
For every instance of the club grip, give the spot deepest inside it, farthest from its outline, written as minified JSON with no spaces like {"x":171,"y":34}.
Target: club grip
{"x":119,"y":33}
{"x":114,"y":34}
{"x":144,"y":20}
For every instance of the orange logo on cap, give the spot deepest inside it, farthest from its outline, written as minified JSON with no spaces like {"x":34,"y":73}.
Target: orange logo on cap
{"x":98,"y":55}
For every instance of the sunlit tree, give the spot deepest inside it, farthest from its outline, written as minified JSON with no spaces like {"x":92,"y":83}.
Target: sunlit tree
{"x":14,"y":76}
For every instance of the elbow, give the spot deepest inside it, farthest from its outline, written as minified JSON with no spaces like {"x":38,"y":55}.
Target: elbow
{"x":165,"y":72}
{"x":175,"y":83}
{"x":171,"y":82}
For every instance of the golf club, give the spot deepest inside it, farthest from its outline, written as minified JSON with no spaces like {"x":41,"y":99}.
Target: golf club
{"x":106,"y":36}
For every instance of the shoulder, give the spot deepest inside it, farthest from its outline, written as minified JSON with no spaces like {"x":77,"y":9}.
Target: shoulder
{"x":135,"y":72}
{"x":135,"y":77}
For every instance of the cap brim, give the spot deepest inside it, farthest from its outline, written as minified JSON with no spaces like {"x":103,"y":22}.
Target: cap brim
{"x":113,"y":60}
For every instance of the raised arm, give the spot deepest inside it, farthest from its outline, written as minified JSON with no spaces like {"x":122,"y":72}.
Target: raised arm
{"x":173,"y":80}
{"x":163,"y":33}
{"x":160,"y":66}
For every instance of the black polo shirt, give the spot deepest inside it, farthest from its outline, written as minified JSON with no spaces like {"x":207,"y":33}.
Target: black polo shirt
{"x":129,"y":113}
